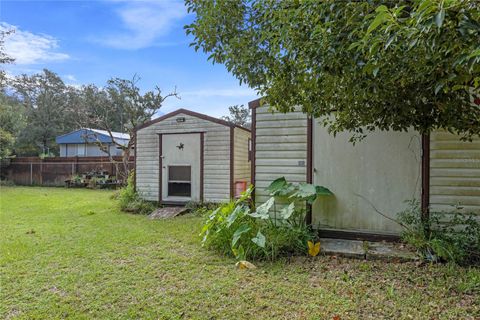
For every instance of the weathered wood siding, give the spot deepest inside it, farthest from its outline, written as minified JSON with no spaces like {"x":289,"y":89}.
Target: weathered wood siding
{"x":242,"y":169}
{"x":216,"y":156}
{"x":280,"y":149}
{"x":454,"y":173}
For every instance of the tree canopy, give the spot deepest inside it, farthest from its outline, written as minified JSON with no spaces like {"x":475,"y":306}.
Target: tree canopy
{"x":239,"y":115}
{"x":45,"y":98}
{"x":357,"y":65}
{"x":51,"y":108}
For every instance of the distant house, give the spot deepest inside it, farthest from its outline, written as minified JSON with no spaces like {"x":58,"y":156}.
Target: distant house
{"x":85,"y":143}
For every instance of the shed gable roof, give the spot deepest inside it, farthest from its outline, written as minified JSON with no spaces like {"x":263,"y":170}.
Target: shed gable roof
{"x":193,"y":114}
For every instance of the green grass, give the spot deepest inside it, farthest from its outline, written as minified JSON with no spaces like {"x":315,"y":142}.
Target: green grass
{"x":73,"y":254}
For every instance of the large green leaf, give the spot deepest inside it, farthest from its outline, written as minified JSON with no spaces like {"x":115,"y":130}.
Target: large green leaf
{"x":304,"y":191}
{"x":259,"y":239}
{"x":262,"y":211}
{"x":322,"y":191}
{"x":276,"y":186}
{"x":236,"y":212}
{"x":238,"y":233}
{"x":310,"y":193}
{"x":287,"y":212}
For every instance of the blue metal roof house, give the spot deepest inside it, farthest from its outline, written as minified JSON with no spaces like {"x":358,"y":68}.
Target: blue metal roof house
{"x":85,"y":143}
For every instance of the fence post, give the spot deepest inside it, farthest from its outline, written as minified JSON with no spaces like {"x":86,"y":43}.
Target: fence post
{"x":73,"y":168}
{"x":41,"y":172}
{"x":31,"y":173}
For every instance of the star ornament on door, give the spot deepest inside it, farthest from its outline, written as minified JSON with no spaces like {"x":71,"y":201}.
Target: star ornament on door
{"x":180,"y":146}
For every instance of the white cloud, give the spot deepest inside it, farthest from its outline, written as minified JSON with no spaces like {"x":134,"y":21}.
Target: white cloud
{"x":210,"y":101}
{"x":144,"y":23}
{"x":70,"y":77}
{"x":30,"y":48}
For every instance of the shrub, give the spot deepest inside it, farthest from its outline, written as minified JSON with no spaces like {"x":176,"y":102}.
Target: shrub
{"x":130,"y":200}
{"x":199,"y":208}
{"x":235,"y":228}
{"x":446,"y":236}
{"x":7,"y":183}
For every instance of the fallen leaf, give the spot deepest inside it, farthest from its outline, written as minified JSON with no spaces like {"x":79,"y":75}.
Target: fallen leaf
{"x":313,"y":249}
{"x":245,"y":265}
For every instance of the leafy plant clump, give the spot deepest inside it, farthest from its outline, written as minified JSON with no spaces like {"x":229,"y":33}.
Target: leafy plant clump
{"x":445,"y":236}
{"x":130,"y":200}
{"x":201,"y":208}
{"x":236,"y":228}
{"x":7,"y":183}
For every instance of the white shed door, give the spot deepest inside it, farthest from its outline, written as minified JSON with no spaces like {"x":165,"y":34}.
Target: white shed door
{"x":181,"y":167}
{"x":382,"y":171}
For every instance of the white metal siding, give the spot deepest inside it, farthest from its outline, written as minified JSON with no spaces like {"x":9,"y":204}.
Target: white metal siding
{"x":216,"y":156}
{"x":454,"y":173}
{"x":63,"y":150}
{"x":242,"y":168}
{"x":380,"y":172}
{"x":280,"y":149}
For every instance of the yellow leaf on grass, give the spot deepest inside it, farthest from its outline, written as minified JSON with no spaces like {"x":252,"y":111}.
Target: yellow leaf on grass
{"x":245,"y":265}
{"x":313,"y":248}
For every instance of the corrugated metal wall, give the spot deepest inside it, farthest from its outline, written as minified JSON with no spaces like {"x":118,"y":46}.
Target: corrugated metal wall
{"x":454,"y":173}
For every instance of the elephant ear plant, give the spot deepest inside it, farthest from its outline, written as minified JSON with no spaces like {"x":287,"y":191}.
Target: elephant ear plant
{"x":275,"y":228}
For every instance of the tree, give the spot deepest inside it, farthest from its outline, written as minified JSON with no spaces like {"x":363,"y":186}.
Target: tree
{"x":11,"y":111}
{"x":239,"y":115}
{"x":120,"y":106}
{"x":12,"y":122}
{"x":4,"y":57}
{"x":357,"y":65}
{"x":45,"y":98}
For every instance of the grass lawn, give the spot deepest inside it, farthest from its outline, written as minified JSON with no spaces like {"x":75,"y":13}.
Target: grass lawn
{"x":68,"y":253}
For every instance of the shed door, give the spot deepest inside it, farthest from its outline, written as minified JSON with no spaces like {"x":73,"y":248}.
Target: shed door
{"x":180,"y":167}
{"x":382,"y":171}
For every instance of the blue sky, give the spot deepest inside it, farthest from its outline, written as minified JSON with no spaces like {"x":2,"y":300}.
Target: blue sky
{"x":91,"y":41}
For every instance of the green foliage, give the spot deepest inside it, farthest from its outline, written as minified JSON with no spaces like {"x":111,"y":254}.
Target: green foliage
{"x":447,"y":236}
{"x":130,"y":200}
{"x":239,"y":115}
{"x":300,"y":192}
{"x":12,"y":121}
{"x":201,"y":208}
{"x":470,"y":282}
{"x":7,"y":183}
{"x":6,"y":143}
{"x":235,"y":228}
{"x":356,"y":65}
{"x":46,"y":100}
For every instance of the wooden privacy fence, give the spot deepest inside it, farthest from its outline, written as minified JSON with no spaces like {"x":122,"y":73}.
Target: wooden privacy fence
{"x":54,"y":171}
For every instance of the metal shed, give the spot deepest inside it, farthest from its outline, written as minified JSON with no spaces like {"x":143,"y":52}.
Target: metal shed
{"x":187,"y":156}
{"x":378,"y":173}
